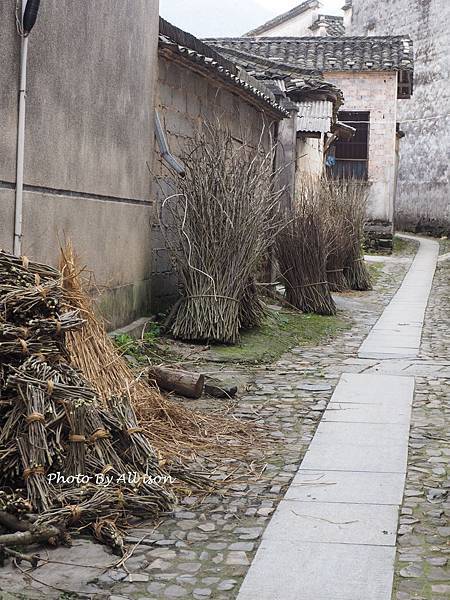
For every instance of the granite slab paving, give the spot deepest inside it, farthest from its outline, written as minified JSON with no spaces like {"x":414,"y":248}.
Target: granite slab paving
{"x":304,"y":571}
{"x":331,"y":537}
{"x":406,"y":309}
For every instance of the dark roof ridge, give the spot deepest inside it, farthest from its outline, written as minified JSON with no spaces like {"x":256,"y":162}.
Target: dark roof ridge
{"x":308,"y":38}
{"x":268,"y":61}
{"x":189,"y":48}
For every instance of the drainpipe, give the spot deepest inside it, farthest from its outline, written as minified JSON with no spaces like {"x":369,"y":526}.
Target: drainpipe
{"x":29,"y":15}
{"x":166,"y":155}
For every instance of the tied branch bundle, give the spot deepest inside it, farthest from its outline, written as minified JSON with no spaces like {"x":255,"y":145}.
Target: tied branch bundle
{"x":51,"y":423}
{"x":338,"y":215}
{"x":218,"y":225}
{"x":303,"y":247}
{"x":355,"y":194}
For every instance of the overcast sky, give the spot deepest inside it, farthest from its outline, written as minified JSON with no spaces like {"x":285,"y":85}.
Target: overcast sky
{"x":217,"y":18}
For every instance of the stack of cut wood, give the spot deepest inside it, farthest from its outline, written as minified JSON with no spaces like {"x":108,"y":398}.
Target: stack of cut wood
{"x":65,"y":462}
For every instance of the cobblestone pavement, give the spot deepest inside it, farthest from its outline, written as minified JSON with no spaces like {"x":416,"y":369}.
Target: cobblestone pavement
{"x":206,"y":550}
{"x":422,"y":569}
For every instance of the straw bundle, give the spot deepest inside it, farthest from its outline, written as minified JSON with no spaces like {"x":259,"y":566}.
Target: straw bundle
{"x":302,"y":251}
{"x":218,"y":225}
{"x":174,"y":429}
{"x":252,"y":307}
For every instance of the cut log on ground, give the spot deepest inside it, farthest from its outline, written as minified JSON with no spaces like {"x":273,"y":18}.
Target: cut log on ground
{"x":26,"y":538}
{"x":190,"y":385}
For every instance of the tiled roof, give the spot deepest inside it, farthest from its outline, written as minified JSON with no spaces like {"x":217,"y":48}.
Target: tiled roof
{"x":334,"y":26}
{"x":205,"y":58}
{"x":393,"y":53}
{"x":290,"y":14}
{"x":297,"y":82}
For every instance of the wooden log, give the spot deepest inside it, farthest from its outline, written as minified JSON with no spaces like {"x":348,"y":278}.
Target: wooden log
{"x":25,"y":538}
{"x":33,"y":559}
{"x":13,"y":523}
{"x":186,"y":384}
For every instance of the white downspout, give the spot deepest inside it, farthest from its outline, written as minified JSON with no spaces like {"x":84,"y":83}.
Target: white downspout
{"x":18,"y":212}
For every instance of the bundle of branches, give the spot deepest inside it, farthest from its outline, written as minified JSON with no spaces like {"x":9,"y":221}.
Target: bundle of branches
{"x":302,"y":251}
{"x":219,"y":223}
{"x":52,"y":430}
{"x":177,"y":431}
{"x":335,"y":211}
{"x":355,"y":194}
{"x":252,"y":307}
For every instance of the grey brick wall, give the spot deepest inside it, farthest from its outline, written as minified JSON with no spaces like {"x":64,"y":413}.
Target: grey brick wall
{"x":423,"y":197}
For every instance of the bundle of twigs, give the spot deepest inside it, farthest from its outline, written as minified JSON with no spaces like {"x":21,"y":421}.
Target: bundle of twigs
{"x":336,"y":213}
{"x":302,"y":251}
{"x":355,"y":194}
{"x":53,"y":431}
{"x":252,"y":307}
{"x":43,"y":336}
{"x":218,"y":225}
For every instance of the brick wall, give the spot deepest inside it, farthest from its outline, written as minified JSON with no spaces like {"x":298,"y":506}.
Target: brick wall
{"x":376,"y":93}
{"x":185,"y":100}
{"x":423,"y":198}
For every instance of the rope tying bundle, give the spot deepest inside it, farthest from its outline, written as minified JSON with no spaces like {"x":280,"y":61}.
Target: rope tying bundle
{"x":100,"y":434}
{"x":32,"y":471}
{"x":35,"y":417}
{"x":77,"y":439}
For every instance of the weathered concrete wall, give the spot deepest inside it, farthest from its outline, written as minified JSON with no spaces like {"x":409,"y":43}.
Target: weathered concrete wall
{"x":89,"y":137}
{"x":286,"y":157}
{"x":185,"y":100}
{"x":376,"y":93}
{"x":423,"y":197}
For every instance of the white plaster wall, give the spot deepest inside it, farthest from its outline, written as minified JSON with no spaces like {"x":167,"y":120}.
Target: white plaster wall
{"x":375,"y":92}
{"x":309,"y":157}
{"x":297,"y":26}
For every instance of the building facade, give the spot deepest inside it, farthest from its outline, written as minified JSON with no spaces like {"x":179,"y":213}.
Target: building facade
{"x":423,"y":196}
{"x":88,"y":139}
{"x":372,"y":74}
{"x":305,"y":19}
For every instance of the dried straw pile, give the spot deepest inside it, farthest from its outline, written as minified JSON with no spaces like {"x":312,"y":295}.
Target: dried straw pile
{"x":303,"y":247}
{"x":219,"y":223}
{"x":176,"y":431}
{"x":51,"y":422}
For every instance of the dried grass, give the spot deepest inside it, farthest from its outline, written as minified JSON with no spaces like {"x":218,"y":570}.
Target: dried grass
{"x":173,"y":429}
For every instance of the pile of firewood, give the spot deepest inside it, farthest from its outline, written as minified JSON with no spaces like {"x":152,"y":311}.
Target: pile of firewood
{"x":66,"y":462}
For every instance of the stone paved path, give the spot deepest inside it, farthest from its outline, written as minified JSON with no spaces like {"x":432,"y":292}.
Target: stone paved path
{"x":334,"y":534}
